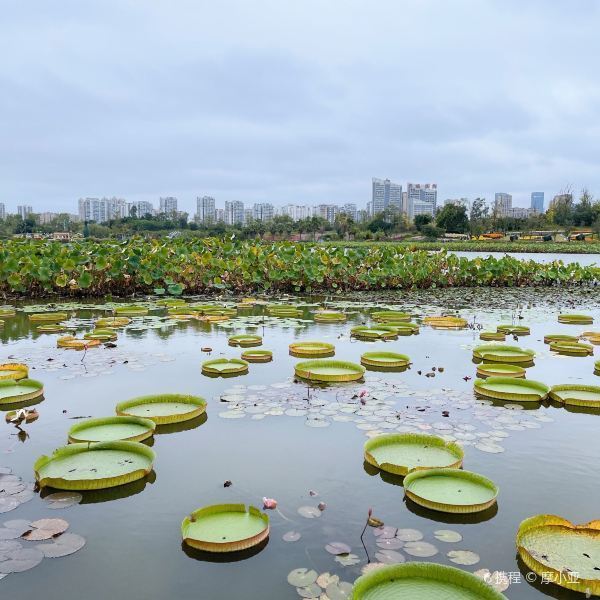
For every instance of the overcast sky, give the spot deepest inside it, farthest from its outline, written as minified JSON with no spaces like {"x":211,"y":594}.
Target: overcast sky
{"x":301,"y":102}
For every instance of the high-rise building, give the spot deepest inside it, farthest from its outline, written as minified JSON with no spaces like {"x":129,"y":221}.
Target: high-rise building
{"x":143,"y":208}
{"x":168,"y":205}
{"x":46,"y":217}
{"x":350,"y":210}
{"x":459,"y":202}
{"x":327,"y":211}
{"x":502,"y":204}
{"x":24,"y":211}
{"x":248,"y":216}
{"x":205,"y":210}
{"x":520,"y":212}
{"x":263,"y":212}
{"x":2,"y":211}
{"x":93,"y":209}
{"x":421,"y":199}
{"x":537,"y":202}
{"x":294,"y":211}
{"x":234,"y":213}
{"x":385,"y":194}
{"x":117,"y":208}
{"x":219,"y":215}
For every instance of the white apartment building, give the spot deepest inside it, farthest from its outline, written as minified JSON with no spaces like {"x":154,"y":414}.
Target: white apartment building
{"x":422,"y":199}
{"x":2,"y":211}
{"x":296,"y":212}
{"x":350,"y":210}
{"x":263,"y":211}
{"x":168,"y":205}
{"x":205,"y":210}
{"x":24,"y":211}
{"x":234,"y":212}
{"x":142,"y":208}
{"x":502,"y":204}
{"x":385,"y":194}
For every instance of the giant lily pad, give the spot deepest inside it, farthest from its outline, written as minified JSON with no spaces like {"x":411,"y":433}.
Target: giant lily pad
{"x":225,"y":528}
{"x":385,"y":316}
{"x":95,"y":466}
{"x":224,"y":366}
{"x":245,"y":340}
{"x":257,"y":356}
{"x":446,"y":322}
{"x":13,"y":371}
{"x":329,"y":370}
{"x":12,"y":391}
{"x":48,"y":317}
{"x":403,"y":328}
{"x":131,"y":310}
{"x":391,"y":360}
{"x":422,"y":581}
{"x":315,"y":349}
{"x":597,"y":367}
{"x":102,"y":335}
{"x":107,"y":429}
{"x":511,"y":388}
{"x":73,"y":343}
{"x":505,"y":354}
{"x":113,"y":322}
{"x":514,"y":329}
{"x":163,"y":409}
{"x":557,"y":337}
{"x":576,"y":394}
{"x":51,"y":328}
{"x":492,"y":336}
{"x":7,"y":311}
{"x":566,"y":554}
{"x":572,"y":348}
{"x":398,"y":453}
{"x":329,"y":316}
{"x":576,"y":319}
{"x":450,"y":490}
{"x":500,"y":370}
{"x":381,"y":332}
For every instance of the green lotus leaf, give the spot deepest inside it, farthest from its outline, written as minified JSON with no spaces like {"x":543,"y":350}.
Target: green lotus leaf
{"x":422,"y":581}
{"x":557,"y":337}
{"x":94,"y":466}
{"x":51,"y":328}
{"x":383,"y":332}
{"x":572,"y":348}
{"x":163,"y":409}
{"x":21,"y":391}
{"x":500,"y":370}
{"x":73,"y":343}
{"x":511,"y":388}
{"x":329,"y":370}
{"x":225,"y":366}
{"x":329,"y":316}
{"x":14,"y":371}
{"x":561,"y":552}
{"x":576,"y":319}
{"x":225,"y":528}
{"x":257,"y":356}
{"x":384,"y":359}
{"x":103,"y":335}
{"x":575,"y":394}
{"x":504,"y":354}
{"x":108,"y":429}
{"x":399,"y":453}
{"x":450,"y":490}
{"x":245,"y":340}
{"x":112,"y":322}
{"x":390,"y":315}
{"x":492,"y":336}
{"x":49,"y":317}
{"x":131,"y":310}
{"x":316,"y":349}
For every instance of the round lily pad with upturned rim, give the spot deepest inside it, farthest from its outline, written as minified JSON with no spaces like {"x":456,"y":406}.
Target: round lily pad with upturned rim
{"x":102,"y":335}
{"x":225,"y":366}
{"x":450,"y":490}
{"x":558,"y":337}
{"x":381,"y":332}
{"x":13,"y":371}
{"x":514,"y":329}
{"x":94,"y":466}
{"x":576,"y":319}
{"x":503,"y":353}
{"x":245,"y":340}
{"x":51,"y":328}
{"x":49,"y":317}
{"x":384,"y":359}
{"x":113,"y":322}
{"x":422,"y":581}
{"x":591,"y":336}
{"x":398,"y":453}
{"x":311,"y":349}
{"x":225,"y":528}
{"x":597,"y":367}
{"x":329,"y":370}
{"x":572,"y":348}
{"x":492,"y":336}
{"x":163,"y":409}
{"x":7,"y":311}
{"x":446,"y":322}
{"x":500,"y":370}
{"x":329,"y":316}
{"x":390,"y":315}
{"x":109,"y":429}
{"x":552,"y":546}
{"x":575,"y":394}
{"x":70,"y":342}
{"x":257,"y":356}
{"x":131,"y":310}
{"x":402,"y":327}
{"x":511,"y":388}
{"x":23,"y":390}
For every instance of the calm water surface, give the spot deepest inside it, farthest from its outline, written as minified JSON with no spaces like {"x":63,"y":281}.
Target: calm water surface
{"x":133,"y":535}
{"x":585,"y":260}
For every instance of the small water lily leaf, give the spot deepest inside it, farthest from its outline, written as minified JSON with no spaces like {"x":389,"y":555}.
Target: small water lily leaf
{"x":447,"y":535}
{"x":44,"y":529}
{"x":309,"y":591}
{"x":409,"y":535}
{"x":385,"y":531}
{"x":389,"y":543}
{"x":63,"y":545}
{"x":302,"y":577}
{"x":62,"y":499}
{"x":9,"y":546}
{"x":463,"y":557}
{"x":291,"y":536}
{"x":389,"y":557}
{"x":324,"y":579}
{"x":337,"y":548}
{"x":420,"y":549}
{"x":339,"y":590}
{"x":8,"y":503}
{"x":309,"y":512}
{"x":347,"y":560}
{"x":21,"y":559}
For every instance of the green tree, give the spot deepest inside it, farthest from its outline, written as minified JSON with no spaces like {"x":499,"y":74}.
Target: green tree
{"x":421,"y":220}
{"x":453,"y":218}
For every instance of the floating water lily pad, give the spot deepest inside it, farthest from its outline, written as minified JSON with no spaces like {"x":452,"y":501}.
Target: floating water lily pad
{"x":552,"y":547}
{"x":257,"y":356}
{"x":49,"y":317}
{"x":514,"y":329}
{"x":422,"y":581}
{"x":44,"y":529}
{"x":245,"y":340}
{"x":73,"y":343}
{"x":492,"y":336}
{"x":390,"y":315}
{"x":500,"y":370}
{"x":329,"y":316}
{"x":572,"y":348}
{"x":63,"y":545}
{"x":7,"y":311}
{"x":447,"y":535}
{"x":94,"y":466}
{"x":113,"y":322}
{"x":163,"y":409}
{"x":329,"y":370}
{"x":302,"y":577}
{"x":225,"y":366}
{"x":463,"y":557}
{"x":23,"y":390}
{"x":504,"y":354}
{"x":382,"y":332}
{"x":446,"y":322}
{"x":597,"y":367}
{"x":107,"y":429}
{"x":557,"y":337}
{"x":51,"y":328}
{"x":225,"y":528}
{"x":576,"y":394}
{"x":576,"y":319}
{"x":592,"y":336}
{"x":13,"y":371}
{"x":450,"y":490}
{"x":391,"y":360}
{"x":315,"y":349}
{"x":19,"y":560}
{"x":131,"y":310}
{"x":398,"y":453}
{"x":403,"y":328}
{"x":511,"y":388}
{"x":59,"y":500}
{"x":102,"y":335}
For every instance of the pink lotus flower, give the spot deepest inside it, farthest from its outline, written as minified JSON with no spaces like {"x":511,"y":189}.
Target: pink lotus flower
{"x":269,"y":503}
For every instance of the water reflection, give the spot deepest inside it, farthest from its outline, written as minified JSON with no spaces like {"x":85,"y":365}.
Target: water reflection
{"x":224,"y":557}
{"x":183,"y":426}
{"x":452,"y":518}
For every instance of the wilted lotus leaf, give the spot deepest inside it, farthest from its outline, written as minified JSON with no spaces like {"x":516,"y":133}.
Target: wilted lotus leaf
{"x":19,"y":560}
{"x":389,"y":557}
{"x":347,"y":560}
{"x":337,"y":548}
{"x":339,"y":590}
{"x":44,"y":529}
{"x":463,"y":557}
{"x":309,"y":512}
{"x":409,"y":535}
{"x":447,"y":535}
{"x":62,"y":499}
{"x":63,"y":545}
{"x":302,"y":577}
{"x":291,"y":536}
{"x":420,"y":549}
{"x":325,"y":579}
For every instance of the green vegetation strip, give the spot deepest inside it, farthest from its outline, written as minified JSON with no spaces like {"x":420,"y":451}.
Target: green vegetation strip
{"x":38,"y":267}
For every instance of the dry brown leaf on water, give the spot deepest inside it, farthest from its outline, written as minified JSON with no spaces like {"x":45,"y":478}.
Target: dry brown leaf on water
{"x":44,"y":529}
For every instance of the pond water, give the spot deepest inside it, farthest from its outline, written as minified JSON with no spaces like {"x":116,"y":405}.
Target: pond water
{"x":585,"y":260}
{"x":543,"y":458}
